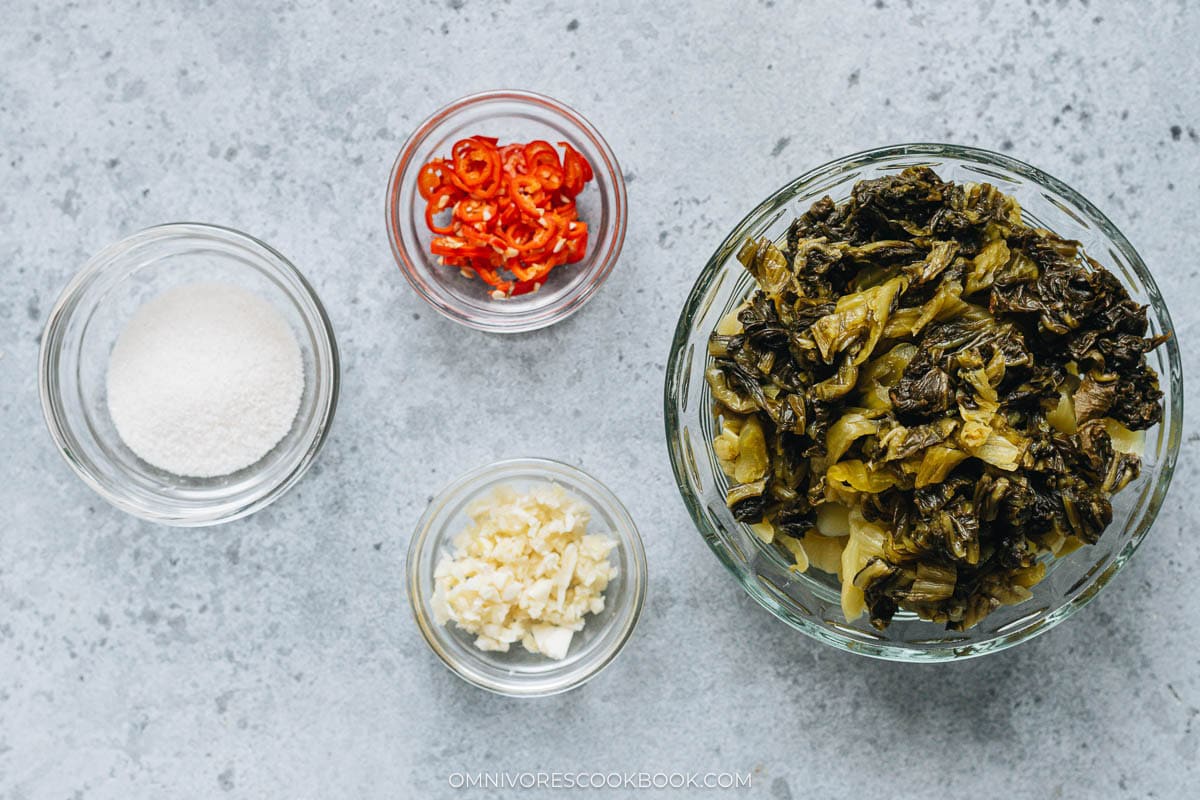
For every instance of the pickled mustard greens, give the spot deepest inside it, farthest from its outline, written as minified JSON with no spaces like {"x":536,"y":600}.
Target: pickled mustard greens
{"x":928,"y":397}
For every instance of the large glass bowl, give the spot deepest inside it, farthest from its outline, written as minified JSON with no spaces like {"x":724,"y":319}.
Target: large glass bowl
{"x":809,"y":602}
{"x":90,"y":315}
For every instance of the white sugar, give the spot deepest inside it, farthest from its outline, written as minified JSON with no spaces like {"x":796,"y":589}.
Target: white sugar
{"x":205,"y":380}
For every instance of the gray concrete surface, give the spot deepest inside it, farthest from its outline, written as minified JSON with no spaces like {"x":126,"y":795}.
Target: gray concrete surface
{"x":275,"y":657}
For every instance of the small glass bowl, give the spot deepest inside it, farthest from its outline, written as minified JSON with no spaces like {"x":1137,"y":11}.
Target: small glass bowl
{"x":90,"y":315}
{"x":519,"y":673}
{"x":809,"y":601}
{"x":511,"y":116}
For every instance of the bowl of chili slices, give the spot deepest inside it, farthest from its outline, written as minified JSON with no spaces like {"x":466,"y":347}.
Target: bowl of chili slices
{"x":506,"y":211}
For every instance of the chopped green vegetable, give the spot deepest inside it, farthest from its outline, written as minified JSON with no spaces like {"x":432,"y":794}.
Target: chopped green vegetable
{"x":957,"y":391}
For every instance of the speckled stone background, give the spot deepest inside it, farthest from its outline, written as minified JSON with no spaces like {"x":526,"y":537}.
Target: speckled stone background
{"x":276,"y":657}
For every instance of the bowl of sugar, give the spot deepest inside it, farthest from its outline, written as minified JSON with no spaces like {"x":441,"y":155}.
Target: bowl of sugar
{"x":189,"y":374}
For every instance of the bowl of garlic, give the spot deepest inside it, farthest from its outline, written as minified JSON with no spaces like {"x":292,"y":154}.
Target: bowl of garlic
{"x":526,"y":577}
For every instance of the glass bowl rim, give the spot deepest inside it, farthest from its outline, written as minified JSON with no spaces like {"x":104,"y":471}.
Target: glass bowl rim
{"x":537,"y":318}
{"x":66,"y":306}
{"x":776,"y":202}
{"x":597,"y":493}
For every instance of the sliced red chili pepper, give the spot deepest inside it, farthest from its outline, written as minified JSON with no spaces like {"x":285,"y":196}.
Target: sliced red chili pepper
{"x":479,"y":192}
{"x":452,"y":247}
{"x":524,"y":190}
{"x":577,"y":248}
{"x":516,"y":234}
{"x":474,"y":210}
{"x":489,"y":275}
{"x":509,"y":215}
{"x":512,"y":210}
{"x":525,"y":287}
{"x":456,"y":182}
{"x":492,"y":277}
{"x":571,"y":153}
{"x":512,"y":157}
{"x":566,"y":210}
{"x":483,"y":238}
{"x":550,"y":176}
{"x":541,"y":271}
{"x":436,"y":206}
{"x":431,"y":178}
{"x":573,"y":167}
{"x":541,"y":152}
{"x":475,"y":163}
{"x":540,"y":236}
{"x":461,"y":147}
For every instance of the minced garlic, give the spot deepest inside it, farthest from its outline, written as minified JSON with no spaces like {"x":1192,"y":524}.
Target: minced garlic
{"x":526,"y":570}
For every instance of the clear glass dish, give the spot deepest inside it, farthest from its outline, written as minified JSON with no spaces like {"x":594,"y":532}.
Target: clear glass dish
{"x":519,"y":673}
{"x":511,"y":116}
{"x":810,"y":601}
{"x":89,"y":316}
